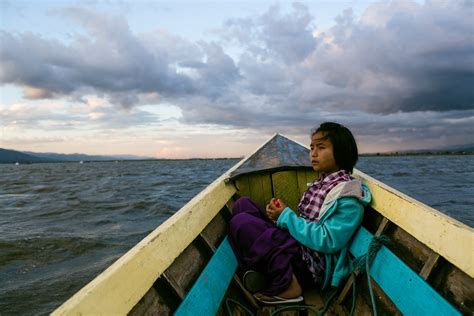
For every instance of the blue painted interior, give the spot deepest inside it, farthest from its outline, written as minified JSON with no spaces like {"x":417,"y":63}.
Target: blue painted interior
{"x":407,"y":290}
{"x":205,"y":296}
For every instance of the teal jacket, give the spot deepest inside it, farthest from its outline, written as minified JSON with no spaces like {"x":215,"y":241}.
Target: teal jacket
{"x":340,"y":216}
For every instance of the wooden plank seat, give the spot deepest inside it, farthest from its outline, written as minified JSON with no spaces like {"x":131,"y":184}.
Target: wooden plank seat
{"x":206,"y":295}
{"x":410,"y":293}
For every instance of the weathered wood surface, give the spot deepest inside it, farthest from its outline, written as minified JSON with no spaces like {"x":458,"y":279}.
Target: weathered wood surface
{"x":215,"y":231}
{"x":152,"y":304}
{"x":410,"y":250}
{"x":429,"y":265}
{"x":208,"y":291}
{"x":243,"y":187}
{"x":455,"y":285}
{"x":288,"y":185}
{"x":187,"y":267}
{"x":285,"y":187}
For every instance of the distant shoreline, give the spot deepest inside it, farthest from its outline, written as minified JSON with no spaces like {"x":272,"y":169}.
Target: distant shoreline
{"x":116,"y":160}
{"x":423,"y":153}
{"x":8,"y":156}
{"x":396,"y":154}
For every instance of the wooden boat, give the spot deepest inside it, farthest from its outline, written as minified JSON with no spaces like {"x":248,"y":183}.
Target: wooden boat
{"x":186,"y":267}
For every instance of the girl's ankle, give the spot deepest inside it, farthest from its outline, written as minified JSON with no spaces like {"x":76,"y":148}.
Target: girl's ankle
{"x":294,"y":290}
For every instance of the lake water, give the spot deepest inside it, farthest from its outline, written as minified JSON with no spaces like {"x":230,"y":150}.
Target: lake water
{"x":62,"y":224}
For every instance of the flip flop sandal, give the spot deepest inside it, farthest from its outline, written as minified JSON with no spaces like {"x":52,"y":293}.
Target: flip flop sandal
{"x":276,"y":300}
{"x":254,"y":281}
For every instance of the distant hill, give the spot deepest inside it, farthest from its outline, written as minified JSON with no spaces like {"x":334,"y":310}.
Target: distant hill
{"x":456,"y":149}
{"x":467,"y":149}
{"x":13,"y":156}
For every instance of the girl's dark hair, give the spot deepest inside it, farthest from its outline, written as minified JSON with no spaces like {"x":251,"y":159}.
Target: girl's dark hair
{"x":343,"y":143}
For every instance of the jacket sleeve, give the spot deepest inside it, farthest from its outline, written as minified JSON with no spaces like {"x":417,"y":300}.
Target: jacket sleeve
{"x":329,"y":235}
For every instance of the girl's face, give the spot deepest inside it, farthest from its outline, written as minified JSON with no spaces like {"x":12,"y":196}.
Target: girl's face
{"x":322,"y":155}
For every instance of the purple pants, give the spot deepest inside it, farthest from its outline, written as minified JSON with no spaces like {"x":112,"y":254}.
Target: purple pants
{"x":261,"y":246}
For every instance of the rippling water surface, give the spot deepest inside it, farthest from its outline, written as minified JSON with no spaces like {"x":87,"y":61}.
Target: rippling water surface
{"x":443,"y":182}
{"x":62,"y":224}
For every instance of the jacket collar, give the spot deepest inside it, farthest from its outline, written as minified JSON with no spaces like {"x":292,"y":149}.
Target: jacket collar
{"x":353,"y":188}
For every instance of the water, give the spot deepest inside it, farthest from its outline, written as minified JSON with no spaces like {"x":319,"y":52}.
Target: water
{"x":62,"y":224}
{"x":443,"y":182}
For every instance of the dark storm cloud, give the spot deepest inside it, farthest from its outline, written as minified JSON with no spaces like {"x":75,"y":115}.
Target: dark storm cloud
{"x":215,"y":74}
{"x":399,"y":57}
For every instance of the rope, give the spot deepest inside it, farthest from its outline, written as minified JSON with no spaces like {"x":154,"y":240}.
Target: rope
{"x":354,"y":293}
{"x":229,"y":311}
{"x":311,"y":308}
{"x":362,"y":264}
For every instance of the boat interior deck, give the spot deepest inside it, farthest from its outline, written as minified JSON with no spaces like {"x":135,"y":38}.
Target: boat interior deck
{"x":446,"y":279}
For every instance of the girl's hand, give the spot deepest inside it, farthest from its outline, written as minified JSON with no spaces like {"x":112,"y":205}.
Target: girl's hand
{"x":274,"y":208}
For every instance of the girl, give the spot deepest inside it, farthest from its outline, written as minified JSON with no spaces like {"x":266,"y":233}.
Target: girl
{"x":283,"y":253}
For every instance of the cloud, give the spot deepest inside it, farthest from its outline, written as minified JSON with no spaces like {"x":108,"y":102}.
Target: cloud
{"x":93,"y":114}
{"x":400,"y":61}
{"x":31,"y":141}
{"x":273,"y":35}
{"x":37,"y":93}
{"x":401,"y":56}
{"x":110,"y":60}
{"x":214,"y":74}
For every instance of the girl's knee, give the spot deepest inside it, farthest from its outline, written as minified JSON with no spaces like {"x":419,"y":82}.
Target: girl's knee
{"x":241,"y":200}
{"x":237,"y":223}
{"x":245,"y":204}
{"x":247,"y":224}
{"x":239,"y":220}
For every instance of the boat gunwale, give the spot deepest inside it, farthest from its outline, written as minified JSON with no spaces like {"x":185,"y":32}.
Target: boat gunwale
{"x":414,"y":216}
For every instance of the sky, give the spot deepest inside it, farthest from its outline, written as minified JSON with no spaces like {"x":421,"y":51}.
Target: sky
{"x":184,"y":79}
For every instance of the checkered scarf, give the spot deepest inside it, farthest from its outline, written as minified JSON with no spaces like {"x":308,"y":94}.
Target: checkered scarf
{"x":312,"y":200}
